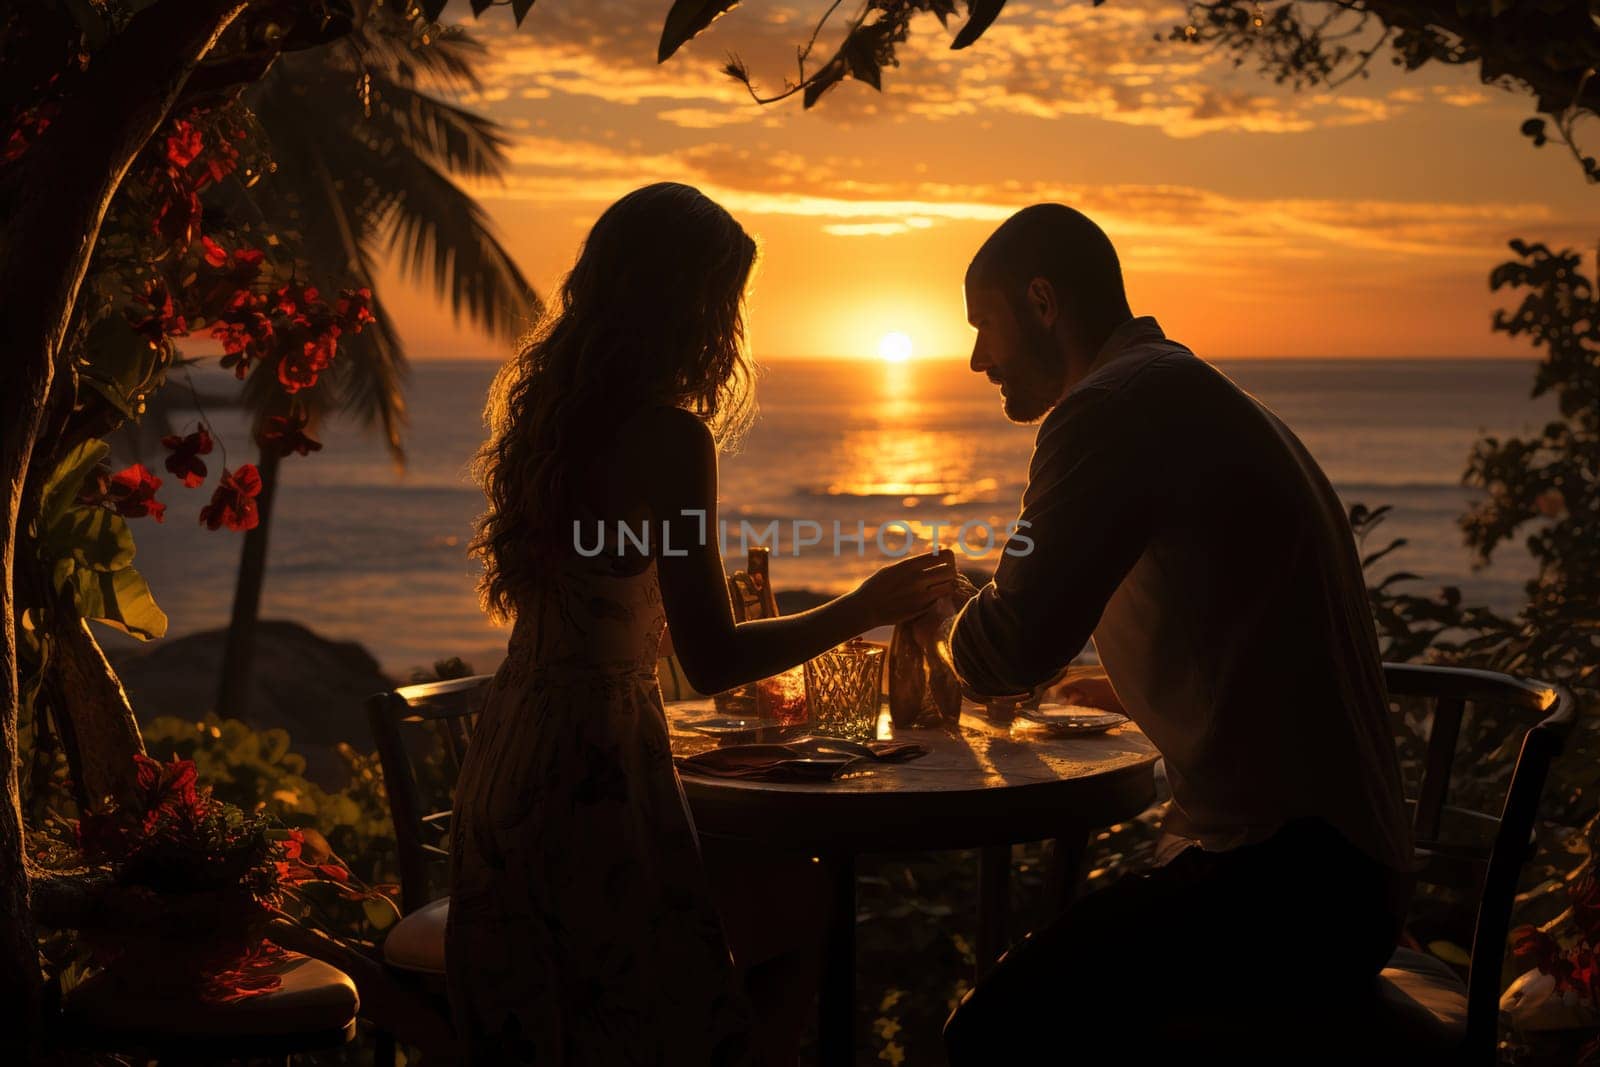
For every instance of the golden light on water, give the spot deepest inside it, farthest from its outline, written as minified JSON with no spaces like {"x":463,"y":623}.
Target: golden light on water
{"x":895,"y":347}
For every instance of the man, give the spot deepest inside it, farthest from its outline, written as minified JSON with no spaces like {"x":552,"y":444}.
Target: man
{"x":1182,"y":525}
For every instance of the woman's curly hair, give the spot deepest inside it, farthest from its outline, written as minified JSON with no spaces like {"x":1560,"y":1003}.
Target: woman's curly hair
{"x":651,"y":314}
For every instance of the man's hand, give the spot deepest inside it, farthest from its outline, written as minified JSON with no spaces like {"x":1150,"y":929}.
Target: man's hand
{"x":927,"y":626}
{"x":1087,"y":686}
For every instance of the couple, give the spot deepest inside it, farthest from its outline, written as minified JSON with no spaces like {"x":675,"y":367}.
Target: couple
{"x":1174,"y":519}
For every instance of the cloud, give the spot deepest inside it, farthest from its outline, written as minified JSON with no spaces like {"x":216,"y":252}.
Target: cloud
{"x":1110,"y":62}
{"x":1158,"y":222}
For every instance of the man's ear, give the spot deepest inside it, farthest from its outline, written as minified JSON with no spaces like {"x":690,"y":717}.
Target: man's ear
{"x":1042,"y":301}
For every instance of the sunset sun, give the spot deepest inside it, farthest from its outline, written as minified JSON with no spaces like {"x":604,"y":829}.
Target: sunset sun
{"x":894,"y":348}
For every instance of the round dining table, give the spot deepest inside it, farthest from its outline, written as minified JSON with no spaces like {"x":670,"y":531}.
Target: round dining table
{"x":982,"y":784}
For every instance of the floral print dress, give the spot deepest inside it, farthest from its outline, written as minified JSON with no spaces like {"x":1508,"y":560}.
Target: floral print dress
{"x":581,"y":929}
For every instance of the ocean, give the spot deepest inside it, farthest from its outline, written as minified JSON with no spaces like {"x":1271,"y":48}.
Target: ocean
{"x":359,"y":551}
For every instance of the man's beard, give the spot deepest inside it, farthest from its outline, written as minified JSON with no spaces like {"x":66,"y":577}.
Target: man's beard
{"x":1036,"y":382}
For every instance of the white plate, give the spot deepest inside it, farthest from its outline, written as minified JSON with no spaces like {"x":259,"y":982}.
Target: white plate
{"x":1072,"y":718}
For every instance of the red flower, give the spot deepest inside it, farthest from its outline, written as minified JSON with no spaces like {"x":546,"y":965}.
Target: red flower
{"x":178,"y":219}
{"x":296,"y":300}
{"x":168,"y":789}
{"x":300,"y":371}
{"x":185,"y":460}
{"x":165,"y":792}
{"x":355,"y":308}
{"x":286,"y":433}
{"x":27,"y":130}
{"x":153,"y":314}
{"x":183,"y":144}
{"x":234,"y":502}
{"x":133,"y":493}
{"x":248,"y":259}
{"x":215,"y":254}
{"x":1585,"y":896}
{"x":222,"y":161}
{"x":245,"y":332}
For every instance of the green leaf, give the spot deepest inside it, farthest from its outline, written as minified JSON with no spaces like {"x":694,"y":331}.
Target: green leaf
{"x":861,"y":57}
{"x":93,"y":538}
{"x":379,"y":914}
{"x":825,"y":79}
{"x":980,"y":16}
{"x":122,"y":365}
{"x":686,"y":19}
{"x":121,"y":600}
{"x":63,"y":484}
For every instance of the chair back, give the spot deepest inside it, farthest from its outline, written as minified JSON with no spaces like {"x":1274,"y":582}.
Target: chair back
{"x":1493,"y":870}
{"x":447,"y":711}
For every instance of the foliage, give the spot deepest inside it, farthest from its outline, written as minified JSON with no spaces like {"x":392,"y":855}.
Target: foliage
{"x":1549,"y":49}
{"x":176,"y":857}
{"x":1547,"y":488}
{"x":367,"y":151}
{"x":257,"y":771}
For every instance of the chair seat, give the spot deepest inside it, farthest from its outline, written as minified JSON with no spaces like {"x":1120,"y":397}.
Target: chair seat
{"x":1422,"y":1003}
{"x":314,"y":1006}
{"x":416,"y":943}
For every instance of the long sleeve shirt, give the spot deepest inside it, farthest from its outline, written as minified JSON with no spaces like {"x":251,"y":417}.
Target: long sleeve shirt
{"x":1177,"y":521}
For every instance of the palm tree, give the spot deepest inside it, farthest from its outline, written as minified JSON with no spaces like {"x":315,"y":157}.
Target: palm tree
{"x":365,"y":155}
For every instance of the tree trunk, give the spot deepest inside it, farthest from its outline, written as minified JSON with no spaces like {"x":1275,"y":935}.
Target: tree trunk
{"x":52,"y":203}
{"x":82,"y":694}
{"x":233,"y":684}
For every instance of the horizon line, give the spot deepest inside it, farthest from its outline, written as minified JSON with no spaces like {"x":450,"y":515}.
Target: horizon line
{"x":1364,"y":358}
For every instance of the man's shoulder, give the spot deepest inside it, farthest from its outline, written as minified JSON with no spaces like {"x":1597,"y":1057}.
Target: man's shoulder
{"x":1143,"y":375}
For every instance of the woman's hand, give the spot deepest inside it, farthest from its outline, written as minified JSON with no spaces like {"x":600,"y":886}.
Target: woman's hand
{"x":906,"y":589}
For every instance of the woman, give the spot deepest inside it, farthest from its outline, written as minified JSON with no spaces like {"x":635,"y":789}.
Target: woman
{"x":580,"y":928}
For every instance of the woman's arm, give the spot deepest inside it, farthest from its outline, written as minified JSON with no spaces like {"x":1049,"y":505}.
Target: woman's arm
{"x":678,"y":457}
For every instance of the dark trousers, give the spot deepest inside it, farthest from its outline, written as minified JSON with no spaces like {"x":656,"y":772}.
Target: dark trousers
{"x":1247,"y":948}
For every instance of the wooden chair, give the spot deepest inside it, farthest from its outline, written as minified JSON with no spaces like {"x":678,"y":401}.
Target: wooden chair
{"x":447,"y":710}
{"x":1422,"y":1013}
{"x":313,"y":1009}
{"x":1425,"y":1013}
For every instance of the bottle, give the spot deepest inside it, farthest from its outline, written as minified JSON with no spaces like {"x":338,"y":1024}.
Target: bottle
{"x":908,"y":677}
{"x":758,"y":565}
{"x":751,"y":597}
{"x":944,"y":688}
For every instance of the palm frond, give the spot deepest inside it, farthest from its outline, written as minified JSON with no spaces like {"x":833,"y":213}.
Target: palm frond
{"x":451,"y":137}
{"x":448,"y":61}
{"x":371,"y":374}
{"x":443,"y":237}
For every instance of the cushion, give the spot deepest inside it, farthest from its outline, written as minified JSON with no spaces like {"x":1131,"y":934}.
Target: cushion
{"x":314,"y":998}
{"x":417,"y":941}
{"x":1422,"y":1002}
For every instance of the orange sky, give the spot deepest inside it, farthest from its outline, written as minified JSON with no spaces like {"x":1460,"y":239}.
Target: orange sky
{"x":1252,"y":221}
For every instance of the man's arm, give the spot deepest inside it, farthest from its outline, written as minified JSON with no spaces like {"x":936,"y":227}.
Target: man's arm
{"x":1087,"y":514}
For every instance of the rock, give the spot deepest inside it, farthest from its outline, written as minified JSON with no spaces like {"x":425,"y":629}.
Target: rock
{"x":307,"y":684}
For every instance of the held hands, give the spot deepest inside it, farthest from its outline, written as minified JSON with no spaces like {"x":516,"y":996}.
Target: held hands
{"x":908,"y":588}
{"x":925,"y":628}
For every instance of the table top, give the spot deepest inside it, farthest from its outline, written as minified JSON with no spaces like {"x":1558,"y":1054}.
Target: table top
{"x":987,"y":784}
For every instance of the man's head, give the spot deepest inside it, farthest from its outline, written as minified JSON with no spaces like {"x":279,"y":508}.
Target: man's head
{"x":1044,"y":292}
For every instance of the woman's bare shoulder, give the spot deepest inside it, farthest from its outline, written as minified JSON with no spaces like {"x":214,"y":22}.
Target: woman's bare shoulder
{"x":664,"y":436}
{"x":667,"y":453}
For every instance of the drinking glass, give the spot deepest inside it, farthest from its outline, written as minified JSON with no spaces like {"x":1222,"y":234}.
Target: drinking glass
{"x":842,"y":687}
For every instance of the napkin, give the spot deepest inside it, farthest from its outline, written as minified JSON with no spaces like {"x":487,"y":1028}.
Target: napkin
{"x":779,"y":762}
